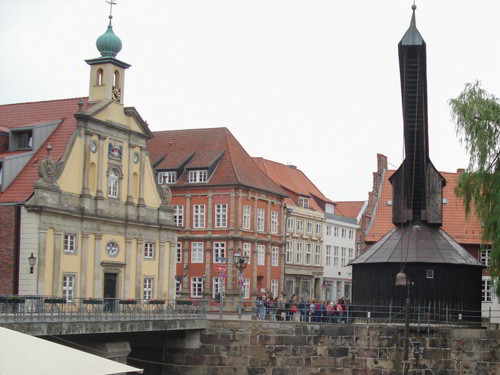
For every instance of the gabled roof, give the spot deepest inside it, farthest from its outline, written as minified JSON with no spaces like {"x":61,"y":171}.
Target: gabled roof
{"x":349,"y":208}
{"x":294,"y":180}
{"x":25,"y":114}
{"x":464,"y":230}
{"x":235,"y":166}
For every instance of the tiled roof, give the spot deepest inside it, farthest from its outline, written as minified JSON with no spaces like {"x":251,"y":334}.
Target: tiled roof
{"x":463,"y":230}
{"x":26,"y":114}
{"x":293,"y":180}
{"x":235,"y":166}
{"x":349,"y":209}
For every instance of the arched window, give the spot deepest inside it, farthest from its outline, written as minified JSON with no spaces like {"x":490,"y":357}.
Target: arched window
{"x":100,"y":76}
{"x":113,"y":183}
{"x":116,"y":81}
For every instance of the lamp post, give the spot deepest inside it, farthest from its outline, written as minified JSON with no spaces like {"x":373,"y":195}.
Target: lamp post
{"x":32,"y":262}
{"x":240,"y":262}
{"x":403,"y":280}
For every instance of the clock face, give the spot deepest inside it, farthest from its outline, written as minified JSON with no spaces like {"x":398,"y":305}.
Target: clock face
{"x":112,"y":248}
{"x":93,"y":146}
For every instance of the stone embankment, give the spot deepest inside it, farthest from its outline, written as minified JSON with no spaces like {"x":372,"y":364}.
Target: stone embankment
{"x":287,"y":348}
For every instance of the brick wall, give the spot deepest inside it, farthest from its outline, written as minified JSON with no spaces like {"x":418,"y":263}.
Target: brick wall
{"x":7,"y":249}
{"x":4,"y":142}
{"x":277,"y":348}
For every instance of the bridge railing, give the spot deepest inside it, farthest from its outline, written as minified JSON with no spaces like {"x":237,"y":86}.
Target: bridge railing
{"x":47,"y":309}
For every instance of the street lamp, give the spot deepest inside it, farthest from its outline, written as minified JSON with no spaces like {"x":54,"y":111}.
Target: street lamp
{"x":240,"y":262}
{"x":403,"y":280}
{"x":32,"y":261}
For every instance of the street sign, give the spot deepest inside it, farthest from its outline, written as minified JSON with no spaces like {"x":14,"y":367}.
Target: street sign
{"x":220,"y":268}
{"x":221,"y":259}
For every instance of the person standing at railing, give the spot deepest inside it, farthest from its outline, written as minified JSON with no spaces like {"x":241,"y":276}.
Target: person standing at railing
{"x":303,"y":309}
{"x":330,"y":312}
{"x":280,"y":313}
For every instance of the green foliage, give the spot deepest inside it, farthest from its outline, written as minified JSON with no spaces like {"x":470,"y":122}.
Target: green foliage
{"x":476,"y":114}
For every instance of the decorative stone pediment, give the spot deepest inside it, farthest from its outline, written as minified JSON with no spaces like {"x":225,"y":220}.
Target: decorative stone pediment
{"x":48,"y":170}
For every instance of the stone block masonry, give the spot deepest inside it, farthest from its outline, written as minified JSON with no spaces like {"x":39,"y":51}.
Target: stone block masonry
{"x":289,"y":348}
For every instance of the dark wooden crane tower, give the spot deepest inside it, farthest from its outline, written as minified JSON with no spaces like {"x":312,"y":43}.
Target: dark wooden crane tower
{"x":441,"y":276}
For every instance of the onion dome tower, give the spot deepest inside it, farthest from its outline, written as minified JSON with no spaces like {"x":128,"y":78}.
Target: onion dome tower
{"x":437,"y":273}
{"x":107,"y":73}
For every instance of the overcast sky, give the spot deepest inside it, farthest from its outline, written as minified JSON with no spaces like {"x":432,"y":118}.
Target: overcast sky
{"x":312,"y":83}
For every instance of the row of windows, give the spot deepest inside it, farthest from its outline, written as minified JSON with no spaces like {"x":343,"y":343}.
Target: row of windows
{"x":219,"y":251}
{"x":341,"y":257}
{"x":69,"y":246}
{"x":290,"y":226}
{"x":221,"y":217}
{"x":307,"y":258}
{"x":69,"y":287}
{"x":339,"y":232}
{"x":194,"y":176}
{"x":197,"y":287}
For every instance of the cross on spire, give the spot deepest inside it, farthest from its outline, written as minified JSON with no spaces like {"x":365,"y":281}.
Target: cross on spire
{"x":111,"y":3}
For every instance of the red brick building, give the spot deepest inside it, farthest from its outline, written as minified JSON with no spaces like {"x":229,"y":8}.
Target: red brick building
{"x":226,"y":205}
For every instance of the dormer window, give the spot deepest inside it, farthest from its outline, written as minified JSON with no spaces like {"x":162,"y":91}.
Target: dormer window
{"x":169,"y":177}
{"x":329,"y":208}
{"x":197,"y":176}
{"x":304,"y":202}
{"x":23,"y":139}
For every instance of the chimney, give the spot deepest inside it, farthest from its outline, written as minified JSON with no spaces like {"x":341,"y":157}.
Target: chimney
{"x":460,"y":170}
{"x":292,"y":166}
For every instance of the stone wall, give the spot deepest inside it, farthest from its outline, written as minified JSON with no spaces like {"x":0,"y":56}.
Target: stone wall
{"x":274,"y":348}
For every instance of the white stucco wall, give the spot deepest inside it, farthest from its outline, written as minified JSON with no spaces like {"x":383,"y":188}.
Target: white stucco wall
{"x":28,"y":245}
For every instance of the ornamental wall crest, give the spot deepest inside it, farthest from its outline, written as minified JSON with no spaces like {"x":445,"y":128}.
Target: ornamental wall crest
{"x":48,"y":170}
{"x":165,"y":193}
{"x":115,"y":151}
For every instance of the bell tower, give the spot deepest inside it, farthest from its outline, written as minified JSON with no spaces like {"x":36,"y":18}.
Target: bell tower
{"x":107,"y":73}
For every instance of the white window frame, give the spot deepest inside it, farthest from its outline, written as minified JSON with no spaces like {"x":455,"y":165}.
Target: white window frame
{"x":351,"y":254}
{"x":309,"y":227}
{"x":196,"y":287}
{"x":113,"y":183}
{"x":329,"y":208}
{"x":485,"y":256}
{"x":335,"y":256}
{"x":247,"y":217}
{"x":246,"y":288}
{"x":197,"y":252}
{"x":300,"y":226}
{"x":289,"y":252}
{"x":69,"y":243}
{"x":247,"y":250}
{"x":68,"y":287}
{"x":274,"y":288}
{"x":197,"y":176}
{"x":219,"y":251}
{"x":328,"y":255}
{"x":149,"y":250}
{"x":317,"y":255}
{"x":298,"y":252}
{"x":328,"y":230}
{"x":260,"y":219}
{"x":168,"y":177}
{"x":148,"y":285}
{"x":309,"y":250}
{"x":290,"y":224}
{"x":261,"y":255}
{"x":304,"y":202}
{"x":217,"y":286}
{"x":343,"y":233}
{"x":221,"y":215}
{"x":178,"y":215}
{"x":274,"y":221}
{"x":335,"y":231}
{"x":486,"y":290}
{"x":318,"y":228}
{"x":178,"y":255}
{"x":274,"y":256}
{"x":177,"y":288}
{"x":198,"y":216}
{"x":343,"y":261}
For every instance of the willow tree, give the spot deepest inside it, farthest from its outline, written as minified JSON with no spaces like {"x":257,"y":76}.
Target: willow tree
{"x":476,"y":114}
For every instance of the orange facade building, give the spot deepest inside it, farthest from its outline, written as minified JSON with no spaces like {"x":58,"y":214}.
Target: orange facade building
{"x":225,"y":205}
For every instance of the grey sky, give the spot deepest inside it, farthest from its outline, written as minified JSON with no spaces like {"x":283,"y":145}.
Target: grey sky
{"x":313,"y":83}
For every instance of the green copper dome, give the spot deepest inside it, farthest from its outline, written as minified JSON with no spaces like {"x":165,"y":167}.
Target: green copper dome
{"x":108,"y":43}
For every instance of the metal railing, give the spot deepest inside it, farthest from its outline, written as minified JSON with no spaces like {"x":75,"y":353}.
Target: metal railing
{"x":56,"y":309}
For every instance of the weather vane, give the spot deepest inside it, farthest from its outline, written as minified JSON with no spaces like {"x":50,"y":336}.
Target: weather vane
{"x":111,"y":3}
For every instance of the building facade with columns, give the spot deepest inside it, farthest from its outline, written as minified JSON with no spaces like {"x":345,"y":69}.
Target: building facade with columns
{"x":80,"y":192}
{"x":224,"y":205}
